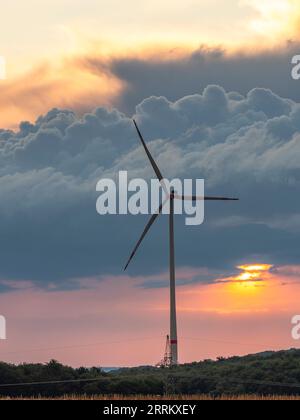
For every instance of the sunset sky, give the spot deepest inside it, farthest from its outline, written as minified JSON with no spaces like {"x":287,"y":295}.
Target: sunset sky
{"x":120,"y":324}
{"x":52,"y":40}
{"x":209,"y":82}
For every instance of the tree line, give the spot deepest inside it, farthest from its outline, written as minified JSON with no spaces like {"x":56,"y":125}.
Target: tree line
{"x":263,"y":373}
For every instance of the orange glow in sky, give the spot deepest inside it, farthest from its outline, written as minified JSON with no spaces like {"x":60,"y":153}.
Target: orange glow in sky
{"x":275,"y":18}
{"x":115,"y":313}
{"x":255,"y":290}
{"x":44,"y":49}
{"x":252,"y":275}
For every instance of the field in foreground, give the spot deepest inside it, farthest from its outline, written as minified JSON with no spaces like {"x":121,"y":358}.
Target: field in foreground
{"x":166,"y":398}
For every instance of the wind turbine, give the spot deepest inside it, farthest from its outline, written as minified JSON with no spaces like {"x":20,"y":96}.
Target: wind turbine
{"x":170,"y":195}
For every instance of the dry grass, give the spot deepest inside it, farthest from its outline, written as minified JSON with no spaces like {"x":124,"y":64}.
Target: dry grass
{"x":164,"y":398}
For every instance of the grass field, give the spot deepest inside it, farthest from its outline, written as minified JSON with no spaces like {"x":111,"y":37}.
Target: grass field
{"x":166,"y":398}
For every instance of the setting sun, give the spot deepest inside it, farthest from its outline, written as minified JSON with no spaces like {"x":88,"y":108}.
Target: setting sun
{"x":251,"y":276}
{"x":255,"y":268}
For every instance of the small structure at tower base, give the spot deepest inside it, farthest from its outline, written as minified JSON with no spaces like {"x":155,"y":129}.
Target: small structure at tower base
{"x":167,"y":359}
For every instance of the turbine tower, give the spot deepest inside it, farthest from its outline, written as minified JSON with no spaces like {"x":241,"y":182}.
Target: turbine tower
{"x":170,"y":196}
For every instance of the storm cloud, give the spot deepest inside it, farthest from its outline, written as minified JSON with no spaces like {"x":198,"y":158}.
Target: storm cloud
{"x":242,"y":145}
{"x":174,"y":75}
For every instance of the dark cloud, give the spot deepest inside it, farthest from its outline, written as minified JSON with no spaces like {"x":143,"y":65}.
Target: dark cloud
{"x":246,"y":146}
{"x":175,"y":77}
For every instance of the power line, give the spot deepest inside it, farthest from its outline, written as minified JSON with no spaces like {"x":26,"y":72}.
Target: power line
{"x":228,"y":379}
{"x":67,"y":381}
{"x":78,"y":345}
{"x":229,"y":342}
{"x":43,"y":349}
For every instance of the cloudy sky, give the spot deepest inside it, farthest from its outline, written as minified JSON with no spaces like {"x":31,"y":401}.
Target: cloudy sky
{"x":214,"y":97}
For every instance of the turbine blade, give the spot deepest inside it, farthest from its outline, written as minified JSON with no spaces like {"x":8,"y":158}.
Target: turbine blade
{"x":204,"y":198}
{"x":152,"y":161}
{"x":146,"y":230}
{"x":219,"y":199}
